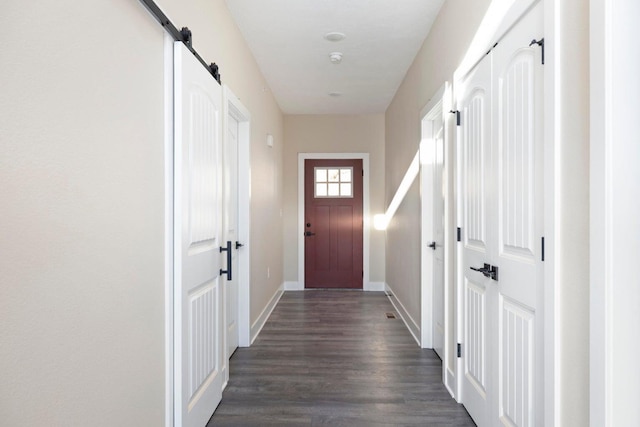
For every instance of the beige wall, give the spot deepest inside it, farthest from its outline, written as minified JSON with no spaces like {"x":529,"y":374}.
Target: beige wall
{"x":434,"y":64}
{"x":333,"y":134}
{"x":81,"y":298}
{"x":82,"y":218}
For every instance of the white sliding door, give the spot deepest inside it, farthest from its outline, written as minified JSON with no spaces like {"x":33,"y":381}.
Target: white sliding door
{"x":198,"y":334}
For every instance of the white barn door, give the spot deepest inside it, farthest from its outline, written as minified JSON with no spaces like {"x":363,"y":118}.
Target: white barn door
{"x":198,"y":315}
{"x":502,"y":202}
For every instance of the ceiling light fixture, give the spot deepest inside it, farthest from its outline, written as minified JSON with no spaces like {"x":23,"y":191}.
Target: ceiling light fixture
{"x":335,"y":57}
{"x":334,"y":36}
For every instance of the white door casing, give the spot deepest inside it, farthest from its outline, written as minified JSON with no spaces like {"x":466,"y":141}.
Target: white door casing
{"x":198,"y":311}
{"x":230,"y":229}
{"x":438,"y":236}
{"x":432,"y":225}
{"x":236,"y":115}
{"x":502,"y":202}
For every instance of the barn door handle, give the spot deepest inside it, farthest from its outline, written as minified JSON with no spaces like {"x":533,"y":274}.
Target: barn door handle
{"x":432,"y":245}
{"x":239,"y":245}
{"x":309,"y":233}
{"x":228,"y":271}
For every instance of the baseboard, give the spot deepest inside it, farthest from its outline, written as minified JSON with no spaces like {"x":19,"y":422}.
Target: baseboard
{"x":411,"y":325}
{"x":264,"y":316}
{"x":374,"y":287}
{"x":293,"y":286}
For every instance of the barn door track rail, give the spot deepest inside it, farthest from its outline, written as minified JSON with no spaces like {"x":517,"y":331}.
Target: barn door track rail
{"x":184,"y":35}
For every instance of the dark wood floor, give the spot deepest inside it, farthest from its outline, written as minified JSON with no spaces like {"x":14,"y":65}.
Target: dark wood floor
{"x":333,"y":358}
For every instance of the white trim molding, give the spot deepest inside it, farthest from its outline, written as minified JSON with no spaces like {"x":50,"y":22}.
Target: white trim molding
{"x":168,"y":228}
{"x":614,"y":225}
{"x":367,"y":222}
{"x":411,"y":324}
{"x":374,"y":287}
{"x":293,"y":286}
{"x":232,"y":106}
{"x":266,"y":313}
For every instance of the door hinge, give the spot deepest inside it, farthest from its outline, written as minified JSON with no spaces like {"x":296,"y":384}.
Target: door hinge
{"x":542,"y":251}
{"x":539,"y":43}
{"x":459,"y":350}
{"x":492,"y":47}
{"x":459,"y":235}
{"x":457,"y":113}
{"x":362,"y":273}
{"x":362,"y":172}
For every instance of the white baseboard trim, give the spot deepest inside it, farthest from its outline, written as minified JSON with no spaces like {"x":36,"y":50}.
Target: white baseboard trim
{"x":264,"y":316}
{"x":411,"y":325}
{"x":374,"y":287}
{"x":293,"y":286}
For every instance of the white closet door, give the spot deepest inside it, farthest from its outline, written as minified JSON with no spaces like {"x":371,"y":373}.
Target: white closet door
{"x":479,"y":292}
{"x":518,"y":159}
{"x":198,"y":313}
{"x":502,"y":201}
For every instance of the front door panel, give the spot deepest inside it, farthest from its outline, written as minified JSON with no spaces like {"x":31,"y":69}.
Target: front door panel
{"x":333,"y":224}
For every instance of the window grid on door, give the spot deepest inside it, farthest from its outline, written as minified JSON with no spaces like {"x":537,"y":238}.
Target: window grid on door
{"x":333,"y":182}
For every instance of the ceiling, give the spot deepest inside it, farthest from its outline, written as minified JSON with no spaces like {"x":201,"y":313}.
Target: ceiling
{"x":287,"y":39}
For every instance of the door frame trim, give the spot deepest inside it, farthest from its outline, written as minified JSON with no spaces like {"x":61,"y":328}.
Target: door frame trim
{"x":427,"y":114}
{"x":231,"y":105}
{"x":168,"y":231}
{"x":367,"y":224}
{"x":442,"y":101}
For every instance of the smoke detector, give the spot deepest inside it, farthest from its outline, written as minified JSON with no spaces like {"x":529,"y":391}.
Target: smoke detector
{"x":334,"y":36}
{"x":335,"y":57}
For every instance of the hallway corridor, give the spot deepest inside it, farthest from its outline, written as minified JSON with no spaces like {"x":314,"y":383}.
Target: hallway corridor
{"x":334,"y":358}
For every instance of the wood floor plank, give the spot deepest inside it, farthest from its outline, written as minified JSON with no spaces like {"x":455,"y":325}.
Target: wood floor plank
{"x":331,"y":357}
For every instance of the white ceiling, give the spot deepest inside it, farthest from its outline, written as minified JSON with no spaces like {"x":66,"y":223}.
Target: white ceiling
{"x":287,"y":39}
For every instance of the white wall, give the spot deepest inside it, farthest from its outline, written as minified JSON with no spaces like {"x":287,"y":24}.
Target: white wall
{"x":82,"y":218}
{"x":333,"y":134}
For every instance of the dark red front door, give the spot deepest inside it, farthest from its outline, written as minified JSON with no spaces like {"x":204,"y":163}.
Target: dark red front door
{"x":333,"y":223}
